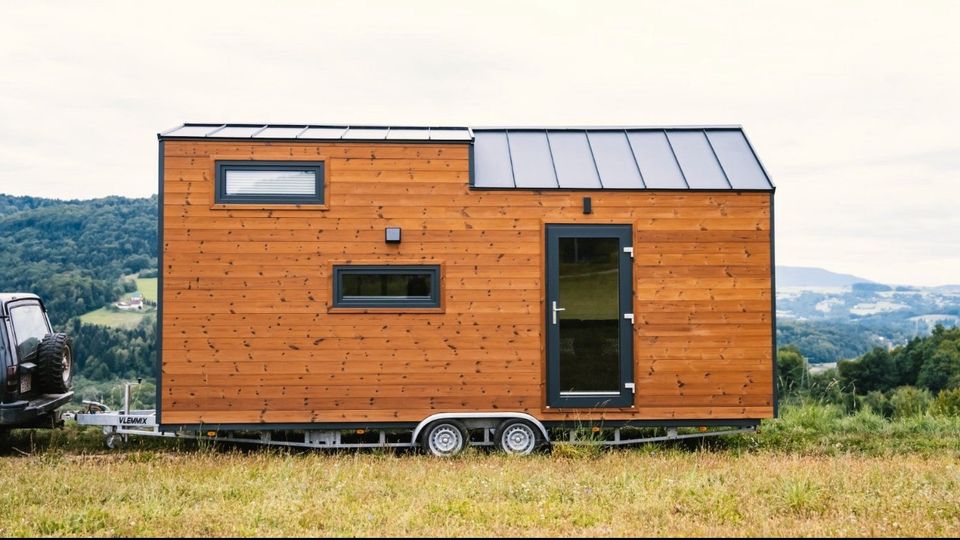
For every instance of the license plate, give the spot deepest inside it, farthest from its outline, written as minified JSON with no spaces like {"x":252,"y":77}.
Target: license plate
{"x":25,"y":383}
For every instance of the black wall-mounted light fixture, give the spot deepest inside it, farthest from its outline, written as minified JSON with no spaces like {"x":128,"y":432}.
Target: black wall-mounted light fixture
{"x":587,"y":205}
{"x":392,"y":235}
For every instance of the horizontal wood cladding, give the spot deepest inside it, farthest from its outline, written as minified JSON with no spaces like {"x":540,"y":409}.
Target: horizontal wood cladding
{"x":247,"y":337}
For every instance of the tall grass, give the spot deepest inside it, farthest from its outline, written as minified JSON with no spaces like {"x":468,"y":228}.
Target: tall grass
{"x":820,"y":428}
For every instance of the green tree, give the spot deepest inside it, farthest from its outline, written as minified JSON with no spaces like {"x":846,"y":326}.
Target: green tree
{"x":910,"y":401}
{"x":942,"y":369}
{"x":909,"y":360}
{"x":791,"y":370}
{"x":875,"y":370}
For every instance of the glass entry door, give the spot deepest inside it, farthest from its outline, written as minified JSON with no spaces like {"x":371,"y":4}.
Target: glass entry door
{"x":589,"y":316}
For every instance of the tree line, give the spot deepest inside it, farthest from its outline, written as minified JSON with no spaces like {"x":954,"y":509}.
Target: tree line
{"x":921,"y":376}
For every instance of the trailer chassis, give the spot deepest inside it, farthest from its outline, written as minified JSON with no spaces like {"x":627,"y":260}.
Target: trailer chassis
{"x":121,"y":425}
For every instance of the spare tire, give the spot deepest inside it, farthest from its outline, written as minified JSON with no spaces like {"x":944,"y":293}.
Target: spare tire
{"x":55,"y":364}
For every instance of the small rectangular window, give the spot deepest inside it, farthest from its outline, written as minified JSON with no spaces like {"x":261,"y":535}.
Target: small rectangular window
{"x":386,"y":286}
{"x":269,"y":182}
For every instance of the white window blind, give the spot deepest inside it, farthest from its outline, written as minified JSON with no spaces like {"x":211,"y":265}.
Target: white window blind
{"x":265,"y":182}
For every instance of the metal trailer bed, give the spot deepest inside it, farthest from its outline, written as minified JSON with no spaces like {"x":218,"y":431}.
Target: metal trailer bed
{"x":127,"y":422}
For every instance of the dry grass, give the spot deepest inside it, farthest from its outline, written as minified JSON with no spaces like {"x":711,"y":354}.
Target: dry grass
{"x":638,"y":492}
{"x":813,"y":472}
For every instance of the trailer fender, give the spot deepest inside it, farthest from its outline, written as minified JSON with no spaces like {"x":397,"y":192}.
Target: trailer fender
{"x":478,"y":415}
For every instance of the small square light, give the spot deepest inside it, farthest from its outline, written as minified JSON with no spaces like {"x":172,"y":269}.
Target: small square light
{"x":392,"y":235}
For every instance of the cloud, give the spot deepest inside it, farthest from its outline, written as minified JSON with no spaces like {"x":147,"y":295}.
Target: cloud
{"x":851,"y":105}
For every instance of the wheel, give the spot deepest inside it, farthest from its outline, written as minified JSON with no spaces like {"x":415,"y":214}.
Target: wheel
{"x":445,"y":438}
{"x":518,"y":437}
{"x":113,"y":440}
{"x":55,"y":364}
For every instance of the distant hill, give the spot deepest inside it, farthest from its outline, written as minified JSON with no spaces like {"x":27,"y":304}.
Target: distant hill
{"x":831,"y":316}
{"x":807,"y":276}
{"x":72,"y":253}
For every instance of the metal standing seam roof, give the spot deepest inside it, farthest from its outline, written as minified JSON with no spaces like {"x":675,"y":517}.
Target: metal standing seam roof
{"x":308,"y":132}
{"x":701,"y":158}
{"x":707,"y":158}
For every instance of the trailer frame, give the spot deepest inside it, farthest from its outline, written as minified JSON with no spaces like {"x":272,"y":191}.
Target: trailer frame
{"x":125,"y":423}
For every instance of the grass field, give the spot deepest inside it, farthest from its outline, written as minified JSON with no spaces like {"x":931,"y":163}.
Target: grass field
{"x":813,"y":472}
{"x":116,"y":319}
{"x":623,"y":493}
{"x":148,"y":288}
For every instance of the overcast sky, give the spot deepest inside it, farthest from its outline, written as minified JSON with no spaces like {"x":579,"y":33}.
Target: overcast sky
{"x":853,"y":107}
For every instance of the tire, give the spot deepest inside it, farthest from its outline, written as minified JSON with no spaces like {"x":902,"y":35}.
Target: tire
{"x":445,"y":438}
{"x":55,"y":364}
{"x":518,"y":437}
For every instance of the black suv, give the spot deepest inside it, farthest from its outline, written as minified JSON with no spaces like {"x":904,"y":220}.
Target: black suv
{"x":36,"y":364}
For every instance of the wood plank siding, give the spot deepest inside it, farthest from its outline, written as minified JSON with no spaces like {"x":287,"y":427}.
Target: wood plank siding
{"x":246,"y":292}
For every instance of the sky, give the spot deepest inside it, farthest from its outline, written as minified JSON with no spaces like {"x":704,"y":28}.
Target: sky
{"x":852,"y":106}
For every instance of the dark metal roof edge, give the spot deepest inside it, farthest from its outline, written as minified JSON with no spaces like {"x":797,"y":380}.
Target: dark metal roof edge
{"x":470,"y":130}
{"x":679,"y":190}
{"x":212,"y":125}
{"x":609,"y":128}
{"x":309,"y":140}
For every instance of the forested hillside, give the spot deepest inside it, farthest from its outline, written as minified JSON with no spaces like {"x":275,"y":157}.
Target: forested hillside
{"x":72,"y":253}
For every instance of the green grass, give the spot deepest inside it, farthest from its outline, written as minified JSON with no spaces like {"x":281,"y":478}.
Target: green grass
{"x":124,"y":319}
{"x":812,"y":472}
{"x":825,"y":430}
{"x":116,"y":319}
{"x":148,"y":288}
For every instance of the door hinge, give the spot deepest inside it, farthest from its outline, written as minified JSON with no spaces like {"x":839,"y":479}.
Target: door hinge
{"x":628,"y":316}
{"x":631,"y":387}
{"x":628,"y":250}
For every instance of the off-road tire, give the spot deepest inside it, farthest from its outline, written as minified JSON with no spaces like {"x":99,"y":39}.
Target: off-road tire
{"x":55,"y":364}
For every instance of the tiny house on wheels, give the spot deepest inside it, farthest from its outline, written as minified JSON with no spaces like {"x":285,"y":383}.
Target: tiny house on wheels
{"x":458,"y":285}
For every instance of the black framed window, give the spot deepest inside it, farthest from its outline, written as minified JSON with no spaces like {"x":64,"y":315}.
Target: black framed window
{"x":377,"y":286}
{"x":277,"y":182}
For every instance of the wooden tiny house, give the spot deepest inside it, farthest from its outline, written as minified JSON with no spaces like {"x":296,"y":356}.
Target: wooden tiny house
{"x":326,"y":275}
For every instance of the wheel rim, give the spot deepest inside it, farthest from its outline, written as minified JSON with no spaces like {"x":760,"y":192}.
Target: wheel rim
{"x":67,"y":362}
{"x":518,"y":439}
{"x":445,"y":440}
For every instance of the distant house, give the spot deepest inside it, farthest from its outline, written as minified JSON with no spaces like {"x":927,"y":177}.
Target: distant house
{"x":135,"y":302}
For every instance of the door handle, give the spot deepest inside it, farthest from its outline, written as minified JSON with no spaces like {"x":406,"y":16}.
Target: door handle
{"x":555,"y":310}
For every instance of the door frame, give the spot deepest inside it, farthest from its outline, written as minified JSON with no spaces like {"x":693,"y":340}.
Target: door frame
{"x":553,"y":232}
